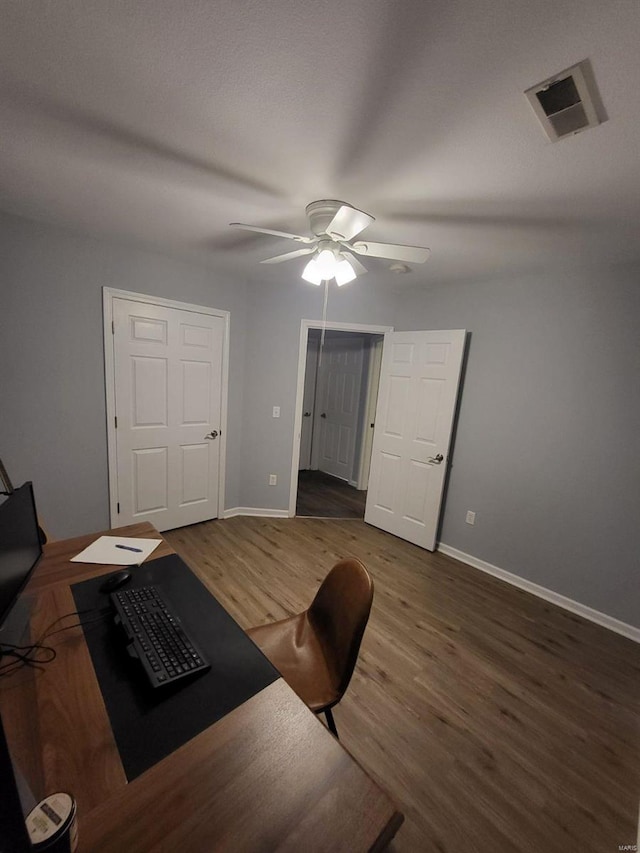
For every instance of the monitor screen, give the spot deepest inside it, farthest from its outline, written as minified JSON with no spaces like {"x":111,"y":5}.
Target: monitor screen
{"x":20,"y":546}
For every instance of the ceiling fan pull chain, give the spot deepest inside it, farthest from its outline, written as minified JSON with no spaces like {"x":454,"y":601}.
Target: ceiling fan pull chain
{"x":324,"y":320}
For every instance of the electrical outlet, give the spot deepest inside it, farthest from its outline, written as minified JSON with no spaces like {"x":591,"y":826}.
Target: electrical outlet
{"x":273,"y":479}
{"x":276,"y":411}
{"x":471,"y":517}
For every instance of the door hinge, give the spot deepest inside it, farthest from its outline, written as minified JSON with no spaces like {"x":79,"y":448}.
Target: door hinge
{"x":113,"y":327}
{"x":118,"y":505}
{"x":116,"y":421}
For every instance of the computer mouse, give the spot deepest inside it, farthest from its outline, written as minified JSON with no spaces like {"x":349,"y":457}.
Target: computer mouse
{"x":113,"y":582}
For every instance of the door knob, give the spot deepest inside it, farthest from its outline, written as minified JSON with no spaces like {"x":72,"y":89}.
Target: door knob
{"x":323,"y":415}
{"x":436,"y":460}
{"x":213,"y":434}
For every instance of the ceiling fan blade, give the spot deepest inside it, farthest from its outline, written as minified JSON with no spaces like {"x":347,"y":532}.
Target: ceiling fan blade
{"x":288,"y":256}
{"x":272,"y":232}
{"x":359,"y":268}
{"x":410,"y":254}
{"x":348,"y":222}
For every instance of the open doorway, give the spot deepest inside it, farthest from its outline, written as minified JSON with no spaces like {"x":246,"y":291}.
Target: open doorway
{"x":337,"y":393}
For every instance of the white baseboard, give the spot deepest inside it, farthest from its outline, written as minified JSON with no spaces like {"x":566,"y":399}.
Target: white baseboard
{"x":255,"y":510}
{"x":609,"y":622}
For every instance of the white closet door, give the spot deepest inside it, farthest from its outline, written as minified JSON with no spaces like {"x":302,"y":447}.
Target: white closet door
{"x":168,"y":387}
{"x":337,"y":407}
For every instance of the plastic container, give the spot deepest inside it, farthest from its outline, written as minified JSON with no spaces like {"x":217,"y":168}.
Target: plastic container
{"x":52,"y":825}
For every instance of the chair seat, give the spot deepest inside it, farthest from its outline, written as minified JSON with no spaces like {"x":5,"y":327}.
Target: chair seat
{"x":293,"y":647}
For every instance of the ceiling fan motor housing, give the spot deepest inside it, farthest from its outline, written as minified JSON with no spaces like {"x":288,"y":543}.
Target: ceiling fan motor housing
{"x":321,"y":213}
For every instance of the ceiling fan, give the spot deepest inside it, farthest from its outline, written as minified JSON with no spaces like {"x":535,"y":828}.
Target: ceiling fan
{"x":334,"y":225}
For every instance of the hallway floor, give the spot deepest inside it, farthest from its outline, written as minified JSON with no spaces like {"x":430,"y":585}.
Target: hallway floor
{"x":322,"y":496}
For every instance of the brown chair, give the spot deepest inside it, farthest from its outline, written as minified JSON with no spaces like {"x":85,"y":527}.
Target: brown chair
{"x":316,"y":651}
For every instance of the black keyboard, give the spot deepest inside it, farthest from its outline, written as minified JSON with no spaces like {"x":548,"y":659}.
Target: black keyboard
{"x":156,"y":637}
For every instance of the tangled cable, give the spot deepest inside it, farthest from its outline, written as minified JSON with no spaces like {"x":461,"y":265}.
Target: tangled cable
{"x":31,"y":655}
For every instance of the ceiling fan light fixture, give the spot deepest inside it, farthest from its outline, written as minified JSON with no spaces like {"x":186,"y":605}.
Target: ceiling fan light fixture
{"x":344,"y":272}
{"x":326,"y":263}
{"x":311,"y":273}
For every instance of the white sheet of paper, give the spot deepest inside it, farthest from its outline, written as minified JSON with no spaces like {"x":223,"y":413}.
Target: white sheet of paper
{"x":105,"y":550}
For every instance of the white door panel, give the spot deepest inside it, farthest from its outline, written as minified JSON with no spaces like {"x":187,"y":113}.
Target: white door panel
{"x":168,"y":387}
{"x":414,"y":419}
{"x":150,"y":470}
{"x":194,"y":483}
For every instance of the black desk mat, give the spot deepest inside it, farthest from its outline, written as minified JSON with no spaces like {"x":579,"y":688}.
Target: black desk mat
{"x":149,"y":723}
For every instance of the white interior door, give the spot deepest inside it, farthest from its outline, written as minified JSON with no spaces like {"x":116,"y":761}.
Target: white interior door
{"x":308,"y":403}
{"x":371,"y":402}
{"x":337,"y":405}
{"x":414,"y":418}
{"x":168,"y":392}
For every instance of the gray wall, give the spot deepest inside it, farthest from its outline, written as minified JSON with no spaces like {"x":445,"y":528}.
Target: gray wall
{"x":52,"y":399}
{"x":547,"y":443}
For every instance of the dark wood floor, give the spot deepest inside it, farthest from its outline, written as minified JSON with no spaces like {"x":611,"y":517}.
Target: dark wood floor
{"x":323,"y":496}
{"x":498,"y":722}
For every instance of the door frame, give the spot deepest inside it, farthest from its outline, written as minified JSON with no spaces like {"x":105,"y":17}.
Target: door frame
{"x":305,"y":325}
{"x":108,"y":296}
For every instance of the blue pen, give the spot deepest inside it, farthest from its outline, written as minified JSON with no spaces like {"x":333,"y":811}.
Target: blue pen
{"x":130,"y":548}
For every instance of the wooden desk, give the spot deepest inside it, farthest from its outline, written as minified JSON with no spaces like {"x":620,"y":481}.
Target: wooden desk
{"x":267,"y":776}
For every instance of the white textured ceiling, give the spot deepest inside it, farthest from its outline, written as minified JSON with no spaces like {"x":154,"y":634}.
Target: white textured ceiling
{"x":161,"y":121}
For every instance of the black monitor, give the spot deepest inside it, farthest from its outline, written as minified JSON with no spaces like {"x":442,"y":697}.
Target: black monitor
{"x":20,"y":548}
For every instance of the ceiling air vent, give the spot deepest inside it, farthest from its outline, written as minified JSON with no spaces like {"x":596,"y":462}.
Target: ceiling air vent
{"x":565,"y":103}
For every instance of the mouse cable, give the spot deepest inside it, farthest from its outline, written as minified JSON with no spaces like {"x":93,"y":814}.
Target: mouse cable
{"x":28,"y":655}
{"x":66,"y":616}
{"x":87,"y":622}
{"x":25,"y":656}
